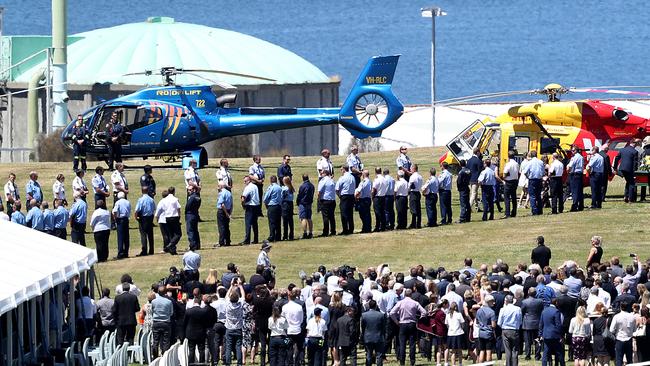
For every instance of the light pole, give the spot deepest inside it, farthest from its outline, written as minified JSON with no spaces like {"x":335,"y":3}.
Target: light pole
{"x":433,"y":12}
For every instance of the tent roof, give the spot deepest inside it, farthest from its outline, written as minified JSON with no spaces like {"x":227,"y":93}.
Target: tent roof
{"x":34,"y":262}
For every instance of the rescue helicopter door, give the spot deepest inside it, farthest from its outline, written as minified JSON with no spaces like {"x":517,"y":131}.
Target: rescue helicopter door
{"x":463,"y":145}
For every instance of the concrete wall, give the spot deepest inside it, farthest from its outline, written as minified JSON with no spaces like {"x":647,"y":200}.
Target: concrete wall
{"x":296,"y":142}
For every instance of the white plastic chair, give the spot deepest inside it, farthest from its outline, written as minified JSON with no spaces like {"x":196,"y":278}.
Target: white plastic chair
{"x":155,"y":362}
{"x":82,"y":356}
{"x":97,"y":353}
{"x":183,"y":353}
{"x":137,"y":350}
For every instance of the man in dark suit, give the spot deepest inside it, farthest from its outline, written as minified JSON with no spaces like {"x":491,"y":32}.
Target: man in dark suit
{"x":347,"y":337}
{"x":551,"y":331}
{"x":124,"y":309}
{"x":608,"y":168}
{"x":373,"y":328}
{"x":567,"y":306}
{"x":541,"y":254}
{"x":624,"y":164}
{"x":195,"y":323}
{"x":624,"y":297}
{"x":531,"y":311}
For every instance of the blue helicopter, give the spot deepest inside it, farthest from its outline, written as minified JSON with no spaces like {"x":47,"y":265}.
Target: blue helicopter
{"x":173,"y":120}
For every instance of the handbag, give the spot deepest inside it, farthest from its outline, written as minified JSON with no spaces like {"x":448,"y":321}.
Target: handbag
{"x":607,"y":334}
{"x":640,"y":331}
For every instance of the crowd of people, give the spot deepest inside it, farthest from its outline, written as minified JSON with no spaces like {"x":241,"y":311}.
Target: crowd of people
{"x":594,"y":313}
{"x":389,"y":198}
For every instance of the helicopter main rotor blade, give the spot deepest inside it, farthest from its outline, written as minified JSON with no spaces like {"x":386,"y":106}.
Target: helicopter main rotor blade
{"x":231,"y":73}
{"x":221,"y":84}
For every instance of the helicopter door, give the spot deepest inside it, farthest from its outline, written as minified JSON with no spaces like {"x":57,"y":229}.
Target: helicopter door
{"x":463,"y":145}
{"x":143,"y":126}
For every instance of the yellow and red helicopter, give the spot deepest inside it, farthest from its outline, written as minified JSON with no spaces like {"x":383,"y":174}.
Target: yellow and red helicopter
{"x":549,"y":126}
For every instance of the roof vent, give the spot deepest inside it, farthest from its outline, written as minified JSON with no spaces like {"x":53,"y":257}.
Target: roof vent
{"x":163,"y":20}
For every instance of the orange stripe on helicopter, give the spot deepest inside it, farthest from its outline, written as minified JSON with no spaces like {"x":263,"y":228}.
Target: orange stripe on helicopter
{"x":178,"y":112}
{"x":170,"y":118}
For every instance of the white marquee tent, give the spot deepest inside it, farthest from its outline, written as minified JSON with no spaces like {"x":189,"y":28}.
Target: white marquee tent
{"x":34,"y":265}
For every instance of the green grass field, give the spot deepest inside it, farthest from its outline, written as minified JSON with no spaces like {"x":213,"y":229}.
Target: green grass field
{"x":623,"y":227}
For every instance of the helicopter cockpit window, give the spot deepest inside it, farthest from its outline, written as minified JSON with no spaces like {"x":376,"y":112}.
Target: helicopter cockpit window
{"x":548,"y":146}
{"x":520,"y":145}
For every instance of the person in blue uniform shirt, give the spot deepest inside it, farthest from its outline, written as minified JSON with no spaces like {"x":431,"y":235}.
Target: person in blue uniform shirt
{"x":61,"y":218}
{"x":415,"y":185}
{"x":224,"y":210}
{"x":100,"y":187}
{"x":34,"y":218}
{"x":16,"y":215}
{"x":144,"y":212}
{"x":444,"y":189}
{"x":624,"y":165}
{"x":354,"y":163}
{"x":146,"y":180}
{"x":273,"y":202}
{"x":534,"y":171}
{"x":114,"y":140}
{"x":463,"y":186}
{"x":345,"y":186}
{"x":430,"y":193}
{"x":287,"y":209}
{"x":284,"y":170}
{"x":362,"y":195}
{"x":327,"y":200}
{"x":596,"y":168}
{"x":575,"y":168}
{"x":77,"y":217}
{"x":487,"y":180}
{"x":192,"y":218}
{"x":79,"y":143}
{"x":48,"y":218}
{"x":121,"y":213}
{"x":390,"y":200}
{"x":403,"y":162}
{"x":250,"y":201}
{"x":33,"y":188}
{"x":305,"y":200}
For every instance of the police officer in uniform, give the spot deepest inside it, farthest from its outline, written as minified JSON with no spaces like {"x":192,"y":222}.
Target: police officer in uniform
{"x":60,"y":219}
{"x":415,"y":185}
{"x":224,"y":210}
{"x":273,"y":202}
{"x":596,"y":167}
{"x":345,"y":186}
{"x":250,"y":201}
{"x":327,"y":199}
{"x":79,"y":142}
{"x":144,"y":211}
{"x":284,"y":170}
{"x":534,"y":171}
{"x":354,"y":163}
{"x":624,"y":164}
{"x":444,"y":188}
{"x":114,"y":140}
{"x":192,"y":219}
{"x":487,"y":180}
{"x":100,"y":187}
{"x":462,"y":183}
{"x":121,"y":214}
{"x":78,"y":215}
{"x":575,"y":168}
{"x":146,"y":180}
{"x":430,"y":192}
{"x":555,"y":172}
{"x":363,"y":196}
{"x":404,"y":162}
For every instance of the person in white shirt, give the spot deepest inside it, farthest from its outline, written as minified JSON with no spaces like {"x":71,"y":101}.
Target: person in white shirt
{"x":415,"y":185}
{"x":379,"y":189}
{"x":454,"y":321}
{"x":278,"y":331}
{"x":294,"y":314}
{"x":511,"y":178}
{"x":223,"y":174}
{"x":11,"y":193}
{"x":119,"y":181}
{"x":401,"y":200}
{"x":170,"y":209}
{"x":58,"y":189}
{"x":324,"y":163}
{"x":622,"y":326}
{"x":263,"y":258}
{"x":555,"y":171}
{"x":79,"y":185}
{"x":100,"y":222}
{"x":316,"y":328}
{"x":192,"y":179}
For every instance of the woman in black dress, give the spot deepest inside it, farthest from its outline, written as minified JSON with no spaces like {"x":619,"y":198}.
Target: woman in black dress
{"x":600,"y":347}
{"x":336,"y":310}
{"x":596,"y":251}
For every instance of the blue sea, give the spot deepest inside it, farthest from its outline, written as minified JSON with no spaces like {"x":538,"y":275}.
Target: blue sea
{"x":482,"y":46}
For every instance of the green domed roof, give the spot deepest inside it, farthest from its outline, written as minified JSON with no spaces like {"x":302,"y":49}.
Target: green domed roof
{"x":105,"y":55}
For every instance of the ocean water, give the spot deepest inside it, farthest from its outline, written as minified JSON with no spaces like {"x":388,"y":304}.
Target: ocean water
{"x":482,"y":45}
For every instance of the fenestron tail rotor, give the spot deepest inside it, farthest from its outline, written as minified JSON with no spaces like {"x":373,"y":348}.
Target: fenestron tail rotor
{"x":371,"y":109}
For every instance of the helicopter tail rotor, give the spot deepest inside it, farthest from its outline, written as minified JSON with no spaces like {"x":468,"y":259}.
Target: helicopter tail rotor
{"x":371,"y":106}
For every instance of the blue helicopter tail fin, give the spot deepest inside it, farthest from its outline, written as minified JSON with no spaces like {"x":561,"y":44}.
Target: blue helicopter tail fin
{"x":371,"y":105}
